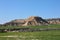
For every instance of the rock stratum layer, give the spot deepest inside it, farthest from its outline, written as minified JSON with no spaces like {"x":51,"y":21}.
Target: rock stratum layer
{"x":53,"y":21}
{"x":33,"y":21}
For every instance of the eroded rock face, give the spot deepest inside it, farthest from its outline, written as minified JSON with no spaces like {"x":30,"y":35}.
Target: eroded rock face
{"x":53,"y":21}
{"x":35,"y":21}
{"x":31,"y":21}
{"x":17,"y":22}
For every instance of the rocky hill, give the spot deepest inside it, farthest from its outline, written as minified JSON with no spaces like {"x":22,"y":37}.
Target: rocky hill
{"x":35,"y":21}
{"x":31,"y":21}
{"x":53,"y":21}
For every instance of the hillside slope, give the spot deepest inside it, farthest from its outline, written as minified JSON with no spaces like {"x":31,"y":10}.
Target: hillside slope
{"x":31,"y":21}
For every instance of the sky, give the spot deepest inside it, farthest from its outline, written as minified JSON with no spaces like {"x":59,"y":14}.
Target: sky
{"x":21,"y":9}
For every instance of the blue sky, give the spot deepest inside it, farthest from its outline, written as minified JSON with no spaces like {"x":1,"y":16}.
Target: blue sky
{"x":18,"y":9}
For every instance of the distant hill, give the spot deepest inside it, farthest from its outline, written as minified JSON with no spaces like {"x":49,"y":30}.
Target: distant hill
{"x":53,"y":21}
{"x":35,"y":21}
{"x":32,"y":21}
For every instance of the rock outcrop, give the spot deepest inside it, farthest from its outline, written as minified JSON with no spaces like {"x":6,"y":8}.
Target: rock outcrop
{"x":53,"y":21}
{"x":31,"y":21}
{"x":17,"y":22}
{"x":35,"y":21}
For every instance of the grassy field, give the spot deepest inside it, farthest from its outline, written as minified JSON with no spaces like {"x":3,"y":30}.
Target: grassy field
{"x":42,"y":35}
{"x":43,"y":26}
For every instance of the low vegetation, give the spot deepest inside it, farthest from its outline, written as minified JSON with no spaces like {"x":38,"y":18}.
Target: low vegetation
{"x":43,"y":26}
{"x":41,"y":35}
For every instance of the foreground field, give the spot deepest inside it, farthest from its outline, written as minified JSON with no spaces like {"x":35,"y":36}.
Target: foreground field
{"x":42,"y":35}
